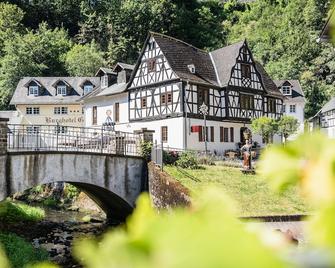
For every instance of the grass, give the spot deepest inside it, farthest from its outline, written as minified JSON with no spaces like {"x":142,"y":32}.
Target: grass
{"x":12,"y":212}
{"x":19,"y":252}
{"x":251,"y":193}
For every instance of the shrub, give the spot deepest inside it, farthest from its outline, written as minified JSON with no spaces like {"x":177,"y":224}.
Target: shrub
{"x":170,"y":158}
{"x":145,"y":150}
{"x":187,"y":160}
{"x":19,"y":252}
{"x":71,"y":192}
{"x":50,"y":202}
{"x":14,"y":212}
{"x":207,"y":160}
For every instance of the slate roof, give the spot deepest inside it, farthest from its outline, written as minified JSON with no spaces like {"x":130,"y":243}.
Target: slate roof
{"x":224,"y":60}
{"x":124,"y":66}
{"x":330,"y":105}
{"x":111,"y":90}
{"x":48,"y":94}
{"x":297,"y":92}
{"x":180,"y":54}
{"x":211,"y":68}
{"x":105,"y":70}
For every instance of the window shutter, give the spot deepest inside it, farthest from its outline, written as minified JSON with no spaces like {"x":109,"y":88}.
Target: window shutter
{"x":232,"y":134}
{"x":200,"y":134}
{"x":221,"y":134}
{"x":212,"y":134}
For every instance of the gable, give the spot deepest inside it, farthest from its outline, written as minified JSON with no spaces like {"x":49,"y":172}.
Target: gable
{"x":153,"y":66}
{"x":244,"y":73}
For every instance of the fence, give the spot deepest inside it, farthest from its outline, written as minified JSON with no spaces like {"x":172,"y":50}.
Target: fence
{"x":66,"y":138}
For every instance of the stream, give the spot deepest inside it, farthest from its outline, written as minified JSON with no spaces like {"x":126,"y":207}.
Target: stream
{"x":57,"y":232}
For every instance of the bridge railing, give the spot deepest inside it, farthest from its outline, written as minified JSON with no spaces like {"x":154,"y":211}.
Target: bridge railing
{"x":67,"y":138}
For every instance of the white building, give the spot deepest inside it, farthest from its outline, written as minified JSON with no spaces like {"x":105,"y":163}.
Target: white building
{"x":169,"y":83}
{"x":295,"y":101}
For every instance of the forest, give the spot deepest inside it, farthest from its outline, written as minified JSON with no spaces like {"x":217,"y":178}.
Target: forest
{"x":76,"y":37}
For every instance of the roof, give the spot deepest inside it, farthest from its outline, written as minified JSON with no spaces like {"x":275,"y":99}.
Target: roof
{"x":49,"y":96}
{"x":180,"y":54}
{"x":297,"y":92}
{"x":124,"y":66}
{"x":105,"y":70}
{"x":111,"y":90}
{"x":330,"y":105}
{"x":224,"y":60}
{"x":269,"y":86}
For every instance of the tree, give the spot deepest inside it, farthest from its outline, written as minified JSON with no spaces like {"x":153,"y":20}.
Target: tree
{"x":287,"y":125}
{"x":10,"y":23}
{"x":84,"y":60}
{"x":264,"y":126}
{"x":36,"y":53}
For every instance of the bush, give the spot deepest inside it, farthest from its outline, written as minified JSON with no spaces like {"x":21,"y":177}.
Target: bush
{"x":71,"y":192}
{"x":145,"y":150}
{"x":50,"y":202}
{"x":187,"y":160}
{"x":207,"y":160}
{"x":19,"y":252}
{"x":15,"y":212}
{"x":170,"y":158}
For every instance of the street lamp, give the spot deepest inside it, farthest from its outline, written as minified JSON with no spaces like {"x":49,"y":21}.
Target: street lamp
{"x":204,"y":111}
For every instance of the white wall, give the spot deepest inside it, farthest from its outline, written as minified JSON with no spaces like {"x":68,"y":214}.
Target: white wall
{"x":299,"y":115}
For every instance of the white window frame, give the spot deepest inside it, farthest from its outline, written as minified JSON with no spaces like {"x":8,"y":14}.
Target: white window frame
{"x":104,"y":81}
{"x":60,"y":110}
{"x":60,"y":129}
{"x":284,"y":108}
{"x":33,"y":129}
{"x":33,"y":90}
{"x":61,"y":90}
{"x":33,"y":110}
{"x":293,"y":108}
{"x":286,"y":90}
{"x":88,"y":89}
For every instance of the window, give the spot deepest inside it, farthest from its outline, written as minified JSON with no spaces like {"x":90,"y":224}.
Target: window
{"x":33,"y":130}
{"x":152,"y":45}
{"x":151,"y":65}
{"x":164,"y":132}
{"x":60,"y":129}
{"x":88,"y":89}
{"x":292,"y":108}
{"x":271,"y":105}
{"x":203,"y":96}
{"x":61,"y":90}
{"x":245,"y":71}
{"x":94,"y":115}
{"x":33,"y":90}
{"x":246,"y":101}
{"x":166,"y":98}
{"x":286,"y":90}
{"x":116,"y":112}
{"x":221,"y":134}
{"x":202,"y":134}
{"x":225,"y":134}
{"x":231,"y":134}
{"x":284,"y":108}
{"x":104,"y":81}
{"x":32,"y":110}
{"x":143,"y":102}
{"x":212,"y":134}
{"x":60,"y":110}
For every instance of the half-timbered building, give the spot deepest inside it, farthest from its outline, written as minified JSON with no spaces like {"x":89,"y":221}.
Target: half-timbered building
{"x":172,"y":79}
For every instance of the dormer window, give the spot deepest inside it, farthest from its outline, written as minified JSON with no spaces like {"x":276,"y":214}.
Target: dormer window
{"x":286,"y":90}
{"x":191,"y":68}
{"x":33,"y":90}
{"x":61,"y":90}
{"x":88,"y":89}
{"x":104,"y":81}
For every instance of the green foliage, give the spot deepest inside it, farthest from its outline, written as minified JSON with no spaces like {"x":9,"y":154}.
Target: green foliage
{"x":264,"y":126}
{"x":207,"y":160}
{"x":71,"y":192}
{"x":170,"y":157}
{"x":145,"y":150}
{"x":84,"y":60}
{"x":309,"y":163}
{"x":187,"y":160}
{"x":19,"y":252}
{"x":33,"y":54}
{"x":206,"y":236}
{"x":287,"y":125}
{"x":50,"y":202}
{"x":12,"y":212}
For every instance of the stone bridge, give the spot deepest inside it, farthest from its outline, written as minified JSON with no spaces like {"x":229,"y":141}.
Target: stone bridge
{"x":113,"y":181}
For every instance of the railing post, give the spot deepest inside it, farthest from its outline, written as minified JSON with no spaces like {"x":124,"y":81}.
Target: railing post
{"x":102,"y":139}
{"x":3,"y":135}
{"x":57,"y":131}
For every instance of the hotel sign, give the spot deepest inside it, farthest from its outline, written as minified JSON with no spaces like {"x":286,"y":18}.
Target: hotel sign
{"x":65,"y":120}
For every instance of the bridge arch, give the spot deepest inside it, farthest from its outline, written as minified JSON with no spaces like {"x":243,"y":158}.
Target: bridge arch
{"x":113,"y":182}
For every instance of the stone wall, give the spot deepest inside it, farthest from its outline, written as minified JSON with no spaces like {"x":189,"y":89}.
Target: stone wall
{"x":165,"y":191}
{"x":3,"y":136}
